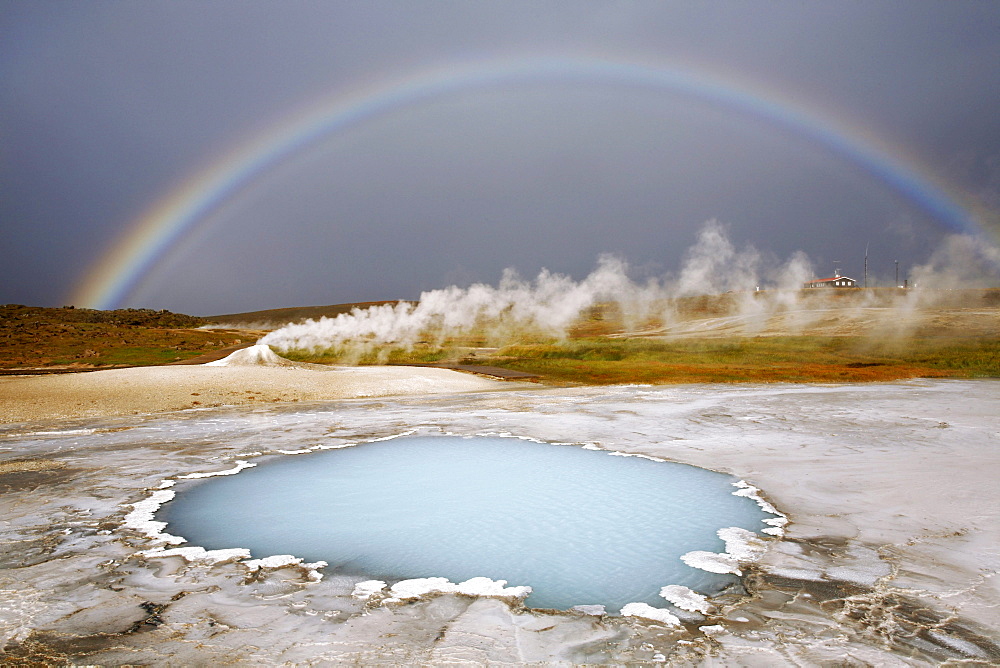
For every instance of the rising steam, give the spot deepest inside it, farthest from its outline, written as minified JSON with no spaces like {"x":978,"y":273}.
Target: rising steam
{"x":757,"y":291}
{"x":547,"y":306}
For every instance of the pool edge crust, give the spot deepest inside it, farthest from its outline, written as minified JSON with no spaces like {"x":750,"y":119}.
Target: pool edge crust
{"x":743,"y":547}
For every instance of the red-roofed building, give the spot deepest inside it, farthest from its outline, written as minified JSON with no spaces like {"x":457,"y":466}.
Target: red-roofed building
{"x":837,"y":281}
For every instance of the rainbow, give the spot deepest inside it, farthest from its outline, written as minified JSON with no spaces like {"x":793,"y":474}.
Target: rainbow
{"x":119,"y":272}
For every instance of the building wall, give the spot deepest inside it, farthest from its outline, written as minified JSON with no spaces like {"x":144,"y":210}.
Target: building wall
{"x":842,"y":282}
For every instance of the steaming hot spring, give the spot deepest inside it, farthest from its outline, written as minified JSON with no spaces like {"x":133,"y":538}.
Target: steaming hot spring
{"x":449,"y":540}
{"x":572,"y":526}
{"x":423,"y":516}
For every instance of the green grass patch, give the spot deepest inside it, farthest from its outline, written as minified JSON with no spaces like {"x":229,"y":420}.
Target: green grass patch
{"x":601,"y":360}
{"x":368,"y":356}
{"x":763,"y":359}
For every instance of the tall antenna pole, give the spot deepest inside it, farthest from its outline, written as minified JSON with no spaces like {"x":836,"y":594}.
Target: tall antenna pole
{"x":866,"y":265}
{"x":897,"y":273}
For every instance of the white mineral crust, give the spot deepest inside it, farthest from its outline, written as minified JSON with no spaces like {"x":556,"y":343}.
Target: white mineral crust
{"x":480,"y":586}
{"x":685,"y":599}
{"x":365,"y":590}
{"x":647,"y":611}
{"x":258,"y":355}
{"x":889,"y":495}
{"x":713,"y":562}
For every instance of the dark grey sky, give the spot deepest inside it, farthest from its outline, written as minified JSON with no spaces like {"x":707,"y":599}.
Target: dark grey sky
{"x":106,"y":107}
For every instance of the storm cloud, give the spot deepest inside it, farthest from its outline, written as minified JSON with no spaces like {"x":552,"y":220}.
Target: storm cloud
{"x":108,"y":108}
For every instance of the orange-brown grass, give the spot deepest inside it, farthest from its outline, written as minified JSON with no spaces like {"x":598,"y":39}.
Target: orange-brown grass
{"x":658,"y":373}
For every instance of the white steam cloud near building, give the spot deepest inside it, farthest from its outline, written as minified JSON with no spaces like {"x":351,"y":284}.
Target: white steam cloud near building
{"x":551,"y":303}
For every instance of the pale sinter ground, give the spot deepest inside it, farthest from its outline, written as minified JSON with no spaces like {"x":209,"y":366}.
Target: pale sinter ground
{"x":890,"y":557}
{"x":246,"y":377}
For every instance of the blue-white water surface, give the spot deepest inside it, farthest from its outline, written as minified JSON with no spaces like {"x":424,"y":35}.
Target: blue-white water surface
{"x":579,"y":526}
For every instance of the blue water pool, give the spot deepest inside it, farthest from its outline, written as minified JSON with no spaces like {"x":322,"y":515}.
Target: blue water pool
{"x":579,"y":526}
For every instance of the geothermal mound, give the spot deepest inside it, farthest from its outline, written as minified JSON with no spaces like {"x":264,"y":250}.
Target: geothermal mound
{"x":260,"y":355}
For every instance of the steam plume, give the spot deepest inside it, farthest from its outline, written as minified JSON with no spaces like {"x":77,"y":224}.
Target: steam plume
{"x":548,"y":305}
{"x":757,"y":292}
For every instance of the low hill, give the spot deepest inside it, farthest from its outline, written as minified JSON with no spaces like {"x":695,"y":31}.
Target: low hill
{"x":81,"y":339}
{"x":78,"y":338}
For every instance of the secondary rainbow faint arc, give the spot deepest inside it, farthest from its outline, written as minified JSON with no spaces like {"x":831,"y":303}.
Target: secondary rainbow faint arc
{"x":117,"y":274}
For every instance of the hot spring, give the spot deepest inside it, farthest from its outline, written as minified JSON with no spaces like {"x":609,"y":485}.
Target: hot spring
{"x":579,"y":526}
